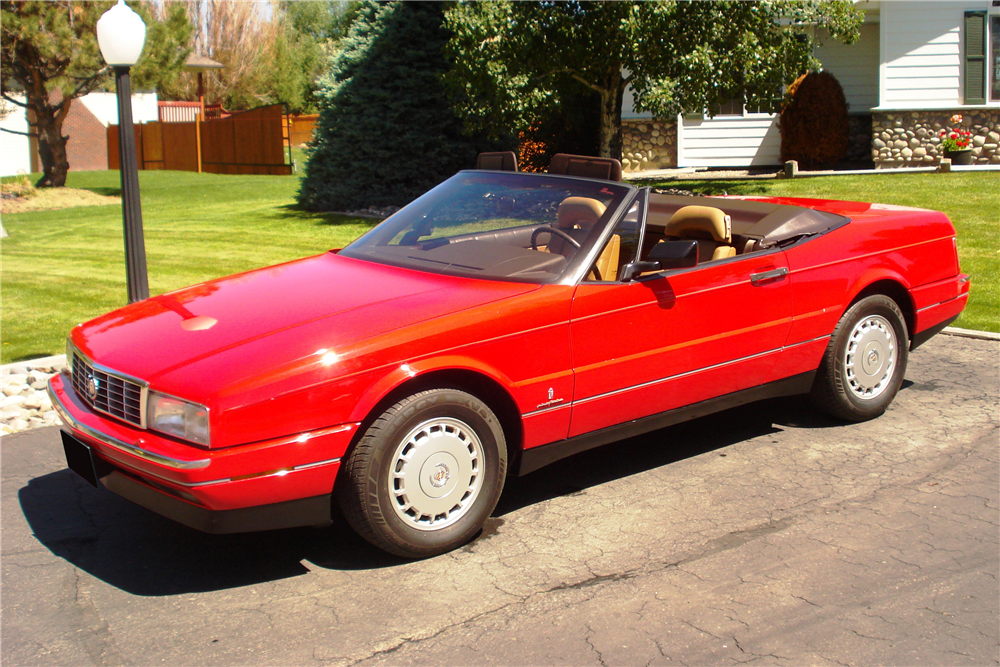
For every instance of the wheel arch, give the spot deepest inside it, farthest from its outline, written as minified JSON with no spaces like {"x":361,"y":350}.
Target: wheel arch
{"x":481,"y":385}
{"x":895,"y":290}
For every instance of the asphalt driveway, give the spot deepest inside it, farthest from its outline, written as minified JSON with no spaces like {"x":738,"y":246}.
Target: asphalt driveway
{"x":766,"y":533}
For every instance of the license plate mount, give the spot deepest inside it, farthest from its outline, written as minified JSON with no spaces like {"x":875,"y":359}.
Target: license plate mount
{"x":79,"y":458}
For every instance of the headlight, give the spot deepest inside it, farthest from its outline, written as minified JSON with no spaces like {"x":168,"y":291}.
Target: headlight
{"x":178,"y":418}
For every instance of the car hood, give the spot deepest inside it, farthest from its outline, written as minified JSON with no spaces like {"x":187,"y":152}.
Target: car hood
{"x":269,"y":317}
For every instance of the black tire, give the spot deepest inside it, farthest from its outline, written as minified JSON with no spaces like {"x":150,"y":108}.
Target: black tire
{"x":426,"y":474}
{"x":864,"y":364}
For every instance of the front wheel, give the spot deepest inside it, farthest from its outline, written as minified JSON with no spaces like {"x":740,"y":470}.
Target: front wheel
{"x":863,"y":366}
{"x":426,"y":474}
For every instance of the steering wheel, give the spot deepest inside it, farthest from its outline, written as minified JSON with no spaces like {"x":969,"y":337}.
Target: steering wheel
{"x":555,"y":231}
{"x":561,"y":234}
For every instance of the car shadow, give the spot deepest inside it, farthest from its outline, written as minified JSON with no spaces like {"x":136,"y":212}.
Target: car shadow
{"x":653,"y":450}
{"x":142,"y":553}
{"x":145,"y":554}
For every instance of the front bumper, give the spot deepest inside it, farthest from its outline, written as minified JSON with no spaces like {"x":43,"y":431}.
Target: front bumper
{"x":259,"y":486}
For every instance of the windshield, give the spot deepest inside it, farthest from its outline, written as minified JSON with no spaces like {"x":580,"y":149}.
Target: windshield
{"x":495,"y":225}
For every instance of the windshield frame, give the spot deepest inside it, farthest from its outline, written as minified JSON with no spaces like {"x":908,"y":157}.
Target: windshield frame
{"x":623,"y":195}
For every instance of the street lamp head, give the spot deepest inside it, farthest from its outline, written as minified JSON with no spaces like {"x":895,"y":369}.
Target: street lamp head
{"x":121,"y":34}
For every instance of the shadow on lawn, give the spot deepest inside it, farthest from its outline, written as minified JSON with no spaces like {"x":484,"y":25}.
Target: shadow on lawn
{"x":107,"y":192}
{"x":710,"y":188}
{"x":296,"y":212}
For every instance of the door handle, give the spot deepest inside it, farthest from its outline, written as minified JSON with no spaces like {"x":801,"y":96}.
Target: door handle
{"x":768,"y":276}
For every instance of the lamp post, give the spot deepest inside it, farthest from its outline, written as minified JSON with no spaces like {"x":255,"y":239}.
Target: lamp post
{"x":121,"y":35}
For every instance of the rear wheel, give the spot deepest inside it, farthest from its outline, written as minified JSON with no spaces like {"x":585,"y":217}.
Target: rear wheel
{"x":426,"y":475}
{"x":864,"y":363}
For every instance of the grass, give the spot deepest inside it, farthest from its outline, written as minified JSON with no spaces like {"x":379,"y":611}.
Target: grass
{"x":63,"y":267}
{"x":970,"y":199}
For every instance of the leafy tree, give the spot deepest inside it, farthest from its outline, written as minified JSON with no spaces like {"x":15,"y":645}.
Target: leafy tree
{"x":311,"y":31}
{"x":325,"y":21}
{"x":272,"y":53}
{"x":514,"y":58}
{"x":49,"y":53}
{"x":386,"y":131}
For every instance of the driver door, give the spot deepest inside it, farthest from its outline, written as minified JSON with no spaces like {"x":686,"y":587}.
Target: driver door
{"x":675,"y":338}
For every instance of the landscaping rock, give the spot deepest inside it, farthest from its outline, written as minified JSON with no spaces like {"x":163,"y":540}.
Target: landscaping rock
{"x":15,"y":401}
{"x":26,"y":403}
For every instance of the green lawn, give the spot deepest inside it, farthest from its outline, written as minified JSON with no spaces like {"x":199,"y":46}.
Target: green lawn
{"x":970,"y":199}
{"x":59,"y":268}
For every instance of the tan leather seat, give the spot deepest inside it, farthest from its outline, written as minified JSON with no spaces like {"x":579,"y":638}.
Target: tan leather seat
{"x":576,"y":216}
{"x":607,"y":263}
{"x":709,"y":226}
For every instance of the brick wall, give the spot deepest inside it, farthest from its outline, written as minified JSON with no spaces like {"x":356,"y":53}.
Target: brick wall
{"x":87,"y":148}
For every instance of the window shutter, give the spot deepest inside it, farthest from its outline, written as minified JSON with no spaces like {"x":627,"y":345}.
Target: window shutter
{"x":975,"y":57}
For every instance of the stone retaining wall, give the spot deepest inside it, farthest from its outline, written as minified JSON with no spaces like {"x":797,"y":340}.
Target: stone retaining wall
{"x":648,"y":144}
{"x":912,"y":138}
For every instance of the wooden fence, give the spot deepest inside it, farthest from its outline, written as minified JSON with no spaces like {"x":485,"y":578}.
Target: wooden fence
{"x":301,"y":128}
{"x":252,"y":142}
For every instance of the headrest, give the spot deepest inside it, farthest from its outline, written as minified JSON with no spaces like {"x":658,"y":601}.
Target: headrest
{"x":499,"y":161}
{"x":582,"y":212}
{"x":700,"y":222}
{"x":605,"y":168}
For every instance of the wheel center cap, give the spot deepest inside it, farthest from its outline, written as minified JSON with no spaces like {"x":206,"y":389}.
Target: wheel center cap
{"x":873,"y":358}
{"x":440,"y":475}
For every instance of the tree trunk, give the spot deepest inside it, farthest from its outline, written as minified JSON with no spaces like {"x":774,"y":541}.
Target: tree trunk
{"x":609,"y":141}
{"x":51,"y":142}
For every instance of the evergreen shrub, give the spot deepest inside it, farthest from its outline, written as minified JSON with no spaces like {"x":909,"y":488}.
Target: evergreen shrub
{"x":386,"y":132}
{"x":814,"y":124}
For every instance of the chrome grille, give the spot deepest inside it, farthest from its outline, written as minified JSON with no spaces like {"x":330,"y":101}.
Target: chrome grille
{"x":106,"y":392}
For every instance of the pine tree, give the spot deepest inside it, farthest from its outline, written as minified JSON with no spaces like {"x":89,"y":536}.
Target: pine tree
{"x":386,"y":131}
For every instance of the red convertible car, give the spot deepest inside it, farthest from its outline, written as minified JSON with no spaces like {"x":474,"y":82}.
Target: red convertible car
{"x":496,"y":324}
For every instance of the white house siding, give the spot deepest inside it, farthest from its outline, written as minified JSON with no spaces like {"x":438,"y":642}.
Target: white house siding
{"x":104,"y":106}
{"x":14,"y":148}
{"x":922,"y":53}
{"x":855,"y":66}
{"x":754,"y":139}
{"x":628,"y":107}
{"x":728,"y":141}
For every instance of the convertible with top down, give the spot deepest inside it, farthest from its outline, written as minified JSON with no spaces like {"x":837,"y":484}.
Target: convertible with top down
{"x":498,"y":323}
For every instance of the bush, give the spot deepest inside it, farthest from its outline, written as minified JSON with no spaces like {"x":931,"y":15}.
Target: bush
{"x":569,"y":126}
{"x":814,"y":124}
{"x":386,"y":132}
{"x":19,"y":187}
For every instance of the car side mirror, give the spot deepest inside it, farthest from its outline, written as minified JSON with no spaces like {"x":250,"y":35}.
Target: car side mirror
{"x":663,"y":257}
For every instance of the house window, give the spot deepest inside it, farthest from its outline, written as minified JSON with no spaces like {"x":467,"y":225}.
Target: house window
{"x":735,"y":106}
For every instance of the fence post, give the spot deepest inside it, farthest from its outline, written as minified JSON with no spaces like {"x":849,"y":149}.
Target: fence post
{"x":197,"y":135}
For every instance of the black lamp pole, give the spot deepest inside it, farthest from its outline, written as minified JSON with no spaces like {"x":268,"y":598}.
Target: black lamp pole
{"x":135,"y":245}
